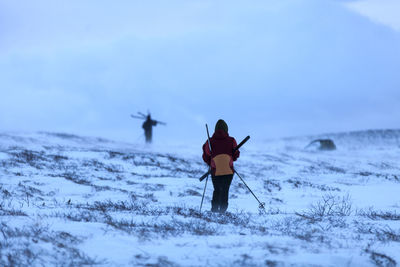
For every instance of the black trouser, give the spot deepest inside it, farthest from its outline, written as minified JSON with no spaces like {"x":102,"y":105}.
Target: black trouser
{"x":221,"y":184}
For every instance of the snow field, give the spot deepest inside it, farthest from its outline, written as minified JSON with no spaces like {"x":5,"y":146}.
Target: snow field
{"x":70,"y":200}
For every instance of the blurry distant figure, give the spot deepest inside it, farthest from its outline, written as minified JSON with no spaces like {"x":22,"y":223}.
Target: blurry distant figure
{"x":324,"y":144}
{"x":148,"y":125}
{"x":148,"y":128}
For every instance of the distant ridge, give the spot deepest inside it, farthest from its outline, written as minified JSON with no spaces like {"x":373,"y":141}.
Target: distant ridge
{"x":353,"y":139}
{"x":365,"y":137}
{"x":367,"y":134}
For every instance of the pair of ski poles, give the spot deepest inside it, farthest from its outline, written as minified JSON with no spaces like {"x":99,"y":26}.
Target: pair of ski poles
{"x":261,"y":204}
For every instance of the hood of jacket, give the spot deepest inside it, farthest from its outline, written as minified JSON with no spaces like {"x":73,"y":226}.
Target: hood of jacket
{"x":220,"y":134}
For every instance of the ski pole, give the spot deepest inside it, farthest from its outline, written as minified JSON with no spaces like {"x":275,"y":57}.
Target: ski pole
{"x":209,"y":169}
{"x":205,"y":186}
{"x":261,"y":204}
{"x":208,"y":137}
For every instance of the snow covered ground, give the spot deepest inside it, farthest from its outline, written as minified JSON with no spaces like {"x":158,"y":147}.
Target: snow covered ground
{"x":72,"y":200}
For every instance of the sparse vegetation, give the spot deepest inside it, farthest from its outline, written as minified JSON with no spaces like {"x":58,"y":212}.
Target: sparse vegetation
{"x":380,"y":259}
{"x":298,"y":183}
{"x":330,"y":206}
{"x":55,"y":200}
{"x":379,"y":215}
{"x":35,"y":244}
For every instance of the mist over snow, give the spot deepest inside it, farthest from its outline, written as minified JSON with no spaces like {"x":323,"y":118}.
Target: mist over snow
{"x":79,"y":187}
{"x":270,"y":69}
{"x":383,"y":11}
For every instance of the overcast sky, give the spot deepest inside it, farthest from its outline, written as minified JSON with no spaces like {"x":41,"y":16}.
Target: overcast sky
{"x":269,"y":68}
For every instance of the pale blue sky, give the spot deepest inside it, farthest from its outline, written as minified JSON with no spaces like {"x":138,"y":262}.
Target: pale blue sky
{"x":270,"y":68}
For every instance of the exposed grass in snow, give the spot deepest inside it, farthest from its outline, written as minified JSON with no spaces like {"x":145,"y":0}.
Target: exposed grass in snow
{"x":28,"y":245}
{"x":71,"y":201}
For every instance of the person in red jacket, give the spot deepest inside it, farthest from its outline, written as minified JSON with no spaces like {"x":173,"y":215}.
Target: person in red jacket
{"x":220,"y":159}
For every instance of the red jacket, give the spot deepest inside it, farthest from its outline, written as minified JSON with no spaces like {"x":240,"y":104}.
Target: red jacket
{"x":221,"y":159}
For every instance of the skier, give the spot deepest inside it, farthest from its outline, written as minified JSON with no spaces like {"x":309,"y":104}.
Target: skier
{"x":220,"y":159}
{"x":148,"y":128}
{"x":148,"y":124}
